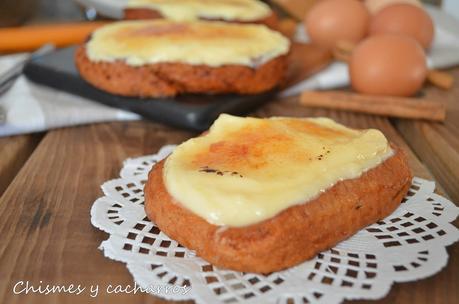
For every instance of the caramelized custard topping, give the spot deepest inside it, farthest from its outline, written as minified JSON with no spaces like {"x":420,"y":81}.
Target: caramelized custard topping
{"x":200,"y":42}
{"x":186,"y":10}
{"x":246,"y":170}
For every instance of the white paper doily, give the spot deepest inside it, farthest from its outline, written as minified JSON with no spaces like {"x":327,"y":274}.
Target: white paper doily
{"x":406,"y":246}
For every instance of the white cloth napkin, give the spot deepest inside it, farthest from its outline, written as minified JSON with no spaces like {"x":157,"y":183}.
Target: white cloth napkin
{"x":32,"y":108}
{"x":444,"y":53}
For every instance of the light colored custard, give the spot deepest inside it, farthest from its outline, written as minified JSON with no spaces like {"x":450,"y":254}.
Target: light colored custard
{"x":199,"y":42}
{"x":246,"y":170}
{"x":186,"y":10}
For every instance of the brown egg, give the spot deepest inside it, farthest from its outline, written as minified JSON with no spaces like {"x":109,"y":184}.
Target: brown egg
{"x":375,"y":6}
{"x":330,"y":21}
{"x":387,"y":64}
{"x":404,"y":19}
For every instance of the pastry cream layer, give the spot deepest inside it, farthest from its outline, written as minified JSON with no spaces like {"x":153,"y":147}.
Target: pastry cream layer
{"x":200,"y":42}
{"x":228,"y":10}
{"x":246,"y":170}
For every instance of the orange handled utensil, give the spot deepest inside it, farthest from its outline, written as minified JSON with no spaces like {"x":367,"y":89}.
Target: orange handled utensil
{"x":27,"y":38}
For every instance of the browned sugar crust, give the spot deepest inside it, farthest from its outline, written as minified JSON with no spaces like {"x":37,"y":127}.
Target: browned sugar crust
{"x":170,"y":79}
{"x":147,"y":13}
{"x":294,"y":235}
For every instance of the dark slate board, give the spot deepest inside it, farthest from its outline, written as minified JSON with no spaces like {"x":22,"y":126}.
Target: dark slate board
{"x":193,"y":112}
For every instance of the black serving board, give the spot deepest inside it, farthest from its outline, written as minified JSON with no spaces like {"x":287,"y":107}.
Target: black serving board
{"x":193,"y":112}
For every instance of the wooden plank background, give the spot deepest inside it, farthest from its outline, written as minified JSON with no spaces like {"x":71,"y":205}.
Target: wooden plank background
{"x":44,"y":213}
{"x":438,"y":144}
{"x":14,"y":153}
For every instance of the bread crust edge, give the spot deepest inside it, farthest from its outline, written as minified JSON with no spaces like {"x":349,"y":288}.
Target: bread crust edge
{"x":174,"y":78}
{"x":295,"y":234}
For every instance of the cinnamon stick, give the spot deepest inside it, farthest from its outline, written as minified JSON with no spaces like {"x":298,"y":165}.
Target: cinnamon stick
{"x":440,"y":79}
{"x":404,"y":107}
{"x":287,"y":27}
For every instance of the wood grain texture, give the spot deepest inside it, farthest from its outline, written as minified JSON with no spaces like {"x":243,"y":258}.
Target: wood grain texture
{"x":44,"y":214}
{"x":45,"y":221}
{"x":14,"y":152}
{"x":437,"y":144}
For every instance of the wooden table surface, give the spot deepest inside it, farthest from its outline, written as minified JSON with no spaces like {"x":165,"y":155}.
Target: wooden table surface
{"x":52,"y":179}
{"x":48,"y":182}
